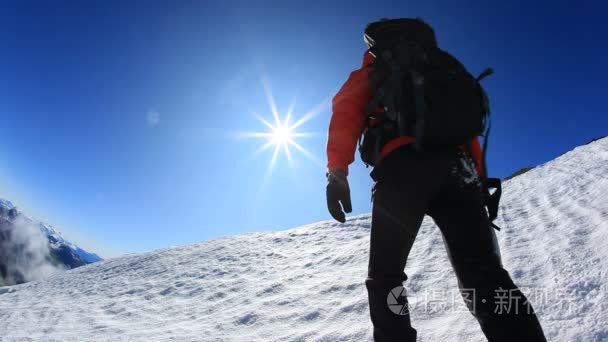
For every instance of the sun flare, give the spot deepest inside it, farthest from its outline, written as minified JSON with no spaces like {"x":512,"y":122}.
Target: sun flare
{"x":280,"y":133}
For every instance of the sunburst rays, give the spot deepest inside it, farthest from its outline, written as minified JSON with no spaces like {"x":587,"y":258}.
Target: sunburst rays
{"x":281,"y":133}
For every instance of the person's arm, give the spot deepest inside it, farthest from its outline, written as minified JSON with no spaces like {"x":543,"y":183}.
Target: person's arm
{"x":347,"y":120}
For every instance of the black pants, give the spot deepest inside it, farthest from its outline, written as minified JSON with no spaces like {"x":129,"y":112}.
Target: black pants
{"x":444,"y":185}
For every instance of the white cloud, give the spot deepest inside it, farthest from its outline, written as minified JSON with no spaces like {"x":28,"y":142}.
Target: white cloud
{"x":153,"y":118}
{"x":24,"y":251}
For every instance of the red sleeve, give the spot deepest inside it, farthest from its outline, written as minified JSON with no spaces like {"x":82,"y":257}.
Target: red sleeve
{"x":477,"y":155}
{"x":347,"y":120}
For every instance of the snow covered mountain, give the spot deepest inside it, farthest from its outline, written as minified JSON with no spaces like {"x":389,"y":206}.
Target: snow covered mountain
{"x":307,"y":283}
{"x":29,"y":246}
{"x":58,"y":242}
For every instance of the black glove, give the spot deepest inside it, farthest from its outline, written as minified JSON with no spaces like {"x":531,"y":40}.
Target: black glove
{"x":338,"y":193}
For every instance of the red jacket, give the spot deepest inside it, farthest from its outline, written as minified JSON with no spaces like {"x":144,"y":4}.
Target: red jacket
{"x":348,"y":121}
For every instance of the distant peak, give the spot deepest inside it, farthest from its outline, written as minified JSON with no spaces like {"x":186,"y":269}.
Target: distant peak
{"x":6,"y":204}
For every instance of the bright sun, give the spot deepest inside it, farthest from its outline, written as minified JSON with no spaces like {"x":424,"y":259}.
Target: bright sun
{"x":281,"y":133}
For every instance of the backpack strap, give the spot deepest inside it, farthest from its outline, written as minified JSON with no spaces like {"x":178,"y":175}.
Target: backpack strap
{"x":419,"y":107}
{"x":385,"y":94}
{"x":486,"y":139}
{"x":487,"y":72}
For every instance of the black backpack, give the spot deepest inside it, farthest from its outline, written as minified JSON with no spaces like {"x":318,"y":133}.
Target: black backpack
{"x":419,"y":90}
{"x":422,"y":91}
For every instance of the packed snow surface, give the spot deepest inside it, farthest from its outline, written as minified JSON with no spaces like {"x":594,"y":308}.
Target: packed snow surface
{"x":307,"y":283}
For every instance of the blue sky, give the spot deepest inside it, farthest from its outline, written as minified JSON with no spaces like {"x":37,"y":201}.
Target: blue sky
{"x":120,"y":120}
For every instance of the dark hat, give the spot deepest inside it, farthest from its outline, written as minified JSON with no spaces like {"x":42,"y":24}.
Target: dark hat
{"x":387,"y":31}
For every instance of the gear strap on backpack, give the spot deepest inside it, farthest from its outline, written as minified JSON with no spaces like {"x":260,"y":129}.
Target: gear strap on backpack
{"x":492,"y":201}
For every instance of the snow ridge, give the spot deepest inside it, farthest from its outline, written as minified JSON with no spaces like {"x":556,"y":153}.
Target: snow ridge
{"x":307,"y":283}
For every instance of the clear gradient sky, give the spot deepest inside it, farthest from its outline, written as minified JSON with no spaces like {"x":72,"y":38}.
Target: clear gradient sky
{"x":121,"y":121}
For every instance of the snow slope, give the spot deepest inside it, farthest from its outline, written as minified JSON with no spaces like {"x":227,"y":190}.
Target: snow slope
{"x":307,"y":283}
